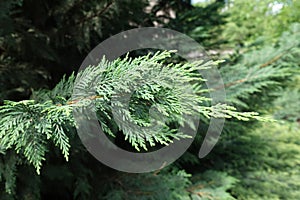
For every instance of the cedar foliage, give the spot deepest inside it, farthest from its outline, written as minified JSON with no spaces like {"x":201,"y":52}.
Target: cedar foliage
{"x":41,"y":156}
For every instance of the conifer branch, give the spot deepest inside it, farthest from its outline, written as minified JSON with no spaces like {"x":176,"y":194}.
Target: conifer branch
{"x":276,"y":58}
{"x":164,"y":86}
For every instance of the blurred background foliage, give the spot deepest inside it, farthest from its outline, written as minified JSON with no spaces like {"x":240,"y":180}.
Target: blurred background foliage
{"x":42,"y":40}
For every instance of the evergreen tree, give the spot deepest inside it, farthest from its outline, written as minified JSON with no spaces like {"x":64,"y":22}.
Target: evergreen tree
{"x":41,"y":155}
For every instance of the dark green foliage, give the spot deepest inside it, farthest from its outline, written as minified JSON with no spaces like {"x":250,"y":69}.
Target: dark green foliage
{"x":212,"y":185}
{"x":56,"y":35}
{"x":201,"y":23}
{"x":172,"y":185}
{"x":287,"y":106}
{"x":264,"y":157}
{"x":270,"y":169}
